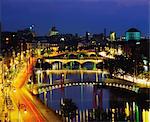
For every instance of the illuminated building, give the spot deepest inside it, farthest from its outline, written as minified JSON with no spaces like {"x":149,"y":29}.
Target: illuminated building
{"x":133,"y":34}
{"x":53,"y":32}
{"x":8,"y":37}
{"x":112,"y":36}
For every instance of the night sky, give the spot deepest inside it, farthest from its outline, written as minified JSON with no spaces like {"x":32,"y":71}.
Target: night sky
{"x":76,"y":16}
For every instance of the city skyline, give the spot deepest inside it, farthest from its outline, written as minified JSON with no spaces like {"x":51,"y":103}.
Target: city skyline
{"x":76,"y":16}
{"x":74,"y":61}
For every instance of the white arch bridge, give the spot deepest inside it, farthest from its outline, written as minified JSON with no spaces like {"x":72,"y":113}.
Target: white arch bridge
{"x":80,"y":61}
{"x":44,"y":88}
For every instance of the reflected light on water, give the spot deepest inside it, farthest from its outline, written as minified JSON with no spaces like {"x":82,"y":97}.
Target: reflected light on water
{"x":127,"y":111}
{"x":146,"y":115}
{"x":134,"y":107}
{"x":113,"y":116}
{"x":137,"y":113}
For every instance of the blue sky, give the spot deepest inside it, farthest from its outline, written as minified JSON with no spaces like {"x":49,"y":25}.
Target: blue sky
{"x":76,"y":16}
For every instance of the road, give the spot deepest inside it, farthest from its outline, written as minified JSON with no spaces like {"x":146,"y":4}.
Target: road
{"x":23,"y":97}
{"x":19,"y":96}
{"x":33,"y":114}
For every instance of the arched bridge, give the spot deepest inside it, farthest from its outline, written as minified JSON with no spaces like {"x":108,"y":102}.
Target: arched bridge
{"x":47,"y":87}
{"x":81,"y":61}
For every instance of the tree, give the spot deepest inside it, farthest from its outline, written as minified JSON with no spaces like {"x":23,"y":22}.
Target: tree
{"x":110,"y":64}
{"x":68,"y":108}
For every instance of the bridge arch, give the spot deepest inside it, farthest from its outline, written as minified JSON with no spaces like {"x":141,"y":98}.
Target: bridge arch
{"x":72,"y":65}
{"x":72,"y":56}
{"x":82,"y":55}
{"x":89,"y":65}
{"x":81,"y":61}
{"x":92,"y":55}
{"x":57,"y":65}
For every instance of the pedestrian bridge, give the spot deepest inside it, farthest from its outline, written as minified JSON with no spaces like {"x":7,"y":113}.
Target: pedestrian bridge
{"x":44,"y":88}
{"x":83,"y":53}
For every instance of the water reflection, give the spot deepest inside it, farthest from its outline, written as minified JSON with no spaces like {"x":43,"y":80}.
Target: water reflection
{"x":99,"y":99}
{"x":94,"y":103}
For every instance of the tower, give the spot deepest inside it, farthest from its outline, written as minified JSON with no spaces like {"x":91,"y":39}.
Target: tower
{"x":53,"y":31}
{"x":112,"y":36}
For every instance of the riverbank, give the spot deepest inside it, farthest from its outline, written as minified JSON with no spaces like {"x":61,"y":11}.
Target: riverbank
{"x":48,"y":113}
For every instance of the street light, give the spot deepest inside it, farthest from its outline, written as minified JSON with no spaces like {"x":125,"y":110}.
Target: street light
{"x":21,"y":106}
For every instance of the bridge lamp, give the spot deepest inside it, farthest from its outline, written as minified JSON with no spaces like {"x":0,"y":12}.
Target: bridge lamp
{"x":91,"y":84}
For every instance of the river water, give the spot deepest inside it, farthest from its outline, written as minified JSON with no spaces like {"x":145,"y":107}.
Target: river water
{"x":94,"y":97}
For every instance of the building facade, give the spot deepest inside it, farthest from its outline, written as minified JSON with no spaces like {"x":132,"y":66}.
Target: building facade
{"x":133,"y":34}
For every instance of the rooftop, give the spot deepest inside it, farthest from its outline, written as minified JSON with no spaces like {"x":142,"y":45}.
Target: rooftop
{"x":133,"y":30}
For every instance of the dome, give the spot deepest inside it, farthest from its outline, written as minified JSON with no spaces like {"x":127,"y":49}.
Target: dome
{"x":133,"y":30}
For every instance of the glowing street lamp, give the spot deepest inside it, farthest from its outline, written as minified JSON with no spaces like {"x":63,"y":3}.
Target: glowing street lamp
{"x":21,"y":106}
